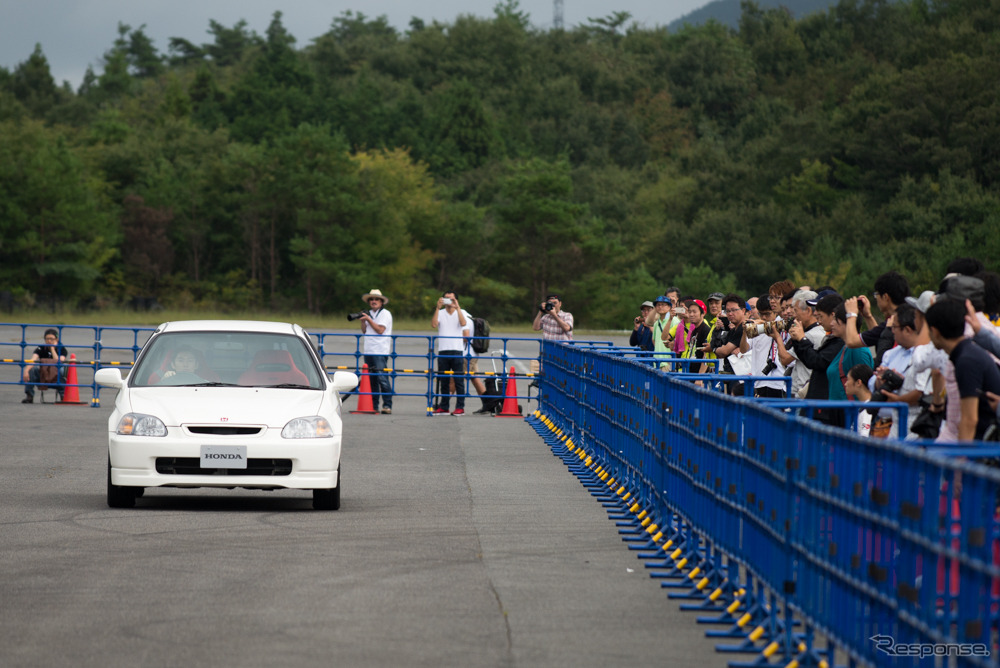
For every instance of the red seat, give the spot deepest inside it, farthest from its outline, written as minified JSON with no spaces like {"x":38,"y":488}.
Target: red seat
{"x":273,"y":367}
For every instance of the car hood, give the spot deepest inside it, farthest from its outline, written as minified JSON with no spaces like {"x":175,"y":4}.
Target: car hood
{"x":225,"y":405}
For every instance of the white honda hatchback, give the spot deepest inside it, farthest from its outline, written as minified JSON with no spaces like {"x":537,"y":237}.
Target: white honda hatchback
{"x":226,"y":404}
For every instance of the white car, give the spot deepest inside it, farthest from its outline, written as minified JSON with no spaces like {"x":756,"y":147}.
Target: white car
{"x":226,"y":404}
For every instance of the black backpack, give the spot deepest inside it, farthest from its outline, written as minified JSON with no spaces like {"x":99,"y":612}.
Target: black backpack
{"x":481,"y":332}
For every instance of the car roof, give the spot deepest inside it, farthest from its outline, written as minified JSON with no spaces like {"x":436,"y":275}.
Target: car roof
{"x":263,"y":326}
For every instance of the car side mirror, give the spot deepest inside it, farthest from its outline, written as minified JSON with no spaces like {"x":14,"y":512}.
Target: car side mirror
{"x":109,"y":378}
{"x":344,"y":381}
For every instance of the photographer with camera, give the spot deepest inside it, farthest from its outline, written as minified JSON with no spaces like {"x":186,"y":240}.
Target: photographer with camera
{"x":764,"y":358}
{"x":642,"y":336}
{"x":376,"y":327}
{"x":726,"y":345}
{"x":554,"y":323}
{"x":453,"y":330}
{"x":897,"y":378}
{"x":891,"y":291}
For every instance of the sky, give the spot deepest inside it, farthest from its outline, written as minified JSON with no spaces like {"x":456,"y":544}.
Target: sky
{"x":76,"y":33}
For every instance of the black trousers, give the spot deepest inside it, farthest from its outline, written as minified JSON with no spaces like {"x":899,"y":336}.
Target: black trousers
{"x":454,"y":361}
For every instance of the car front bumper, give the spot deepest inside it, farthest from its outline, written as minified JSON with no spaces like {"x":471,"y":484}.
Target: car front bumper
{"x":307,"y":463}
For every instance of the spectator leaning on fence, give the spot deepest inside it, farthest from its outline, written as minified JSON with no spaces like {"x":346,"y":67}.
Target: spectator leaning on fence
{"x":554,"y":323}
{"x":376,"y":329}
{"x":41,"y":369}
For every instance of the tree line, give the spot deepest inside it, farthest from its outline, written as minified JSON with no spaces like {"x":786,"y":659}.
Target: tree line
{"x":502,"y":161}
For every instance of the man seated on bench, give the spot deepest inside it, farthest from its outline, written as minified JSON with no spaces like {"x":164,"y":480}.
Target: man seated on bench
{"x":47,"y":374}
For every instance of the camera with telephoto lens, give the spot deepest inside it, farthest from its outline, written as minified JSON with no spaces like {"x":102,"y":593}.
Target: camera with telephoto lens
{"x":754,"y":329}
{"x":891,"y":382}
{"x":351,"y":317}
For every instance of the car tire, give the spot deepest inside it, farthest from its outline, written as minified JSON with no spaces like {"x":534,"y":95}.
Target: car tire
{"x":119,"y":496}
{"x":329,"y":499}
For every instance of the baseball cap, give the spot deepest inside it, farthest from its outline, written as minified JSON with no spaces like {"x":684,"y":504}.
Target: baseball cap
{"x":716,"y":296}
{"x":646,"y":303}
{"x":923,"y":302}
{"x":553,"y":296}
{"x":663,"y":298}
{"x":820,"y":295}
{"x":700,"y":304}
{"x":963,"y":287}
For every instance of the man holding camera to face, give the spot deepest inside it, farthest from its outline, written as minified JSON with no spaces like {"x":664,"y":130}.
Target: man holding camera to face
{"x":554,"y":323}
{"x":376,"y":327}
{"x":453,"y":330}
{"x":764,"y":357}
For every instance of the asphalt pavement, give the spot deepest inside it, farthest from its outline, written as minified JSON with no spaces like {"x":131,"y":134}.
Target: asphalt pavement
{"x":461,"y":541}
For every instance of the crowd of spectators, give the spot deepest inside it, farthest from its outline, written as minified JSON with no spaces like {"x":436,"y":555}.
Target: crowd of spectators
{"x":938,"y":352}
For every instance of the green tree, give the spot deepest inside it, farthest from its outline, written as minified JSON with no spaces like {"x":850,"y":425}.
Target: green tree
{"x":57,"y":229}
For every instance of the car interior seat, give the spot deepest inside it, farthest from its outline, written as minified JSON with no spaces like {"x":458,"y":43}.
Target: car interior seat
{"x":273,"y":367}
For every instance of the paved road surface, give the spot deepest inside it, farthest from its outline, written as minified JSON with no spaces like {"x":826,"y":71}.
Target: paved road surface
{"x":460,"y":542}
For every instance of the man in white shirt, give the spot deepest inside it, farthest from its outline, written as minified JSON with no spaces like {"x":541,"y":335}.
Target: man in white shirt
{"x":764,"y":358}
{"x":452,"y":330}
{"x":376,"y":326}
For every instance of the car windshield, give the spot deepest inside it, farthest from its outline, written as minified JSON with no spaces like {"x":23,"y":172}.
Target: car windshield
{"x":244,"y":359}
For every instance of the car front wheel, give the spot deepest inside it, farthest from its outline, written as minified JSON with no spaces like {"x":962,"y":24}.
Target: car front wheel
{"x":121,"y":497}
{"x":329,"y":499}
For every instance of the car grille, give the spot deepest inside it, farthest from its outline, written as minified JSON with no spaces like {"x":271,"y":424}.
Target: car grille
{"x":192,"y":466}
{"x":225,"y":431}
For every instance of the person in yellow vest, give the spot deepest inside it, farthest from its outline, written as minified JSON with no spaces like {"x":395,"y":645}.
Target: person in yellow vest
{"x":659,"y":320}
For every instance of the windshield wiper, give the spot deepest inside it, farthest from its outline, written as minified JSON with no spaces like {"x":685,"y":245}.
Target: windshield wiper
{"x":294,"y":386}
{"x":209,"y":384}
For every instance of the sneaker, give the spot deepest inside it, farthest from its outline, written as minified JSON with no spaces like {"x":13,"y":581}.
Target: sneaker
{"x":386,"y":411}
{"x":440,"y":411}
{"x":28,"y":400}
{"x":459,"y":411}
{"x":482,"y":411}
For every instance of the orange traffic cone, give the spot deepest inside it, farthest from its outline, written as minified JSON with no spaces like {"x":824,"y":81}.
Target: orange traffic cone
{"x":71,"y":393}
{"x":510,"y":407}
{"x":365,"y":394}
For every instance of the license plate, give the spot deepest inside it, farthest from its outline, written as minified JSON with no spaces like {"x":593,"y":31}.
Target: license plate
{"x":223,"y":456}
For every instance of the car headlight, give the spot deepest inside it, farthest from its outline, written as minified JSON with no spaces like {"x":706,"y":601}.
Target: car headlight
{"x":307,"y":427}
{"x":137,"y":424}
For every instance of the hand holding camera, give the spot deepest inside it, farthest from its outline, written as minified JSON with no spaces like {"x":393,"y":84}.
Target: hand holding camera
{"x":545,"y":307}
{"x":351,"y":317}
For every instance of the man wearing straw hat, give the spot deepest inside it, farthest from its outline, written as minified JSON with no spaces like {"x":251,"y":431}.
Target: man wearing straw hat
{"x":376,"y":326}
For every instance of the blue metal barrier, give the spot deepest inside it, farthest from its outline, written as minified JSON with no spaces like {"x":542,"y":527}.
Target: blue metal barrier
{"x":778,"y":528}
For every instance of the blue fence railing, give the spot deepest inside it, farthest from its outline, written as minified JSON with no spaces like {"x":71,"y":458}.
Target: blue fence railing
{"x":782,"y":528}
{"x":412,"y":366}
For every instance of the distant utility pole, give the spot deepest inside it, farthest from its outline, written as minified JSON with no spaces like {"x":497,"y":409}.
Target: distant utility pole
{"x":557,"y":14}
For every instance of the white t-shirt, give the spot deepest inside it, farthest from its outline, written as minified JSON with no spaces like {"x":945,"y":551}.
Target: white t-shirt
{"x":450,"y":332}
{"x":375,"y":343}
{"x":469,"y":352}
{"x":865,"y":423}
{"x":763,"y":347}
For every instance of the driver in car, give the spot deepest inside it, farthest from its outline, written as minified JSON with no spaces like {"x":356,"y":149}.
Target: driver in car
{"x":183,"y":368}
